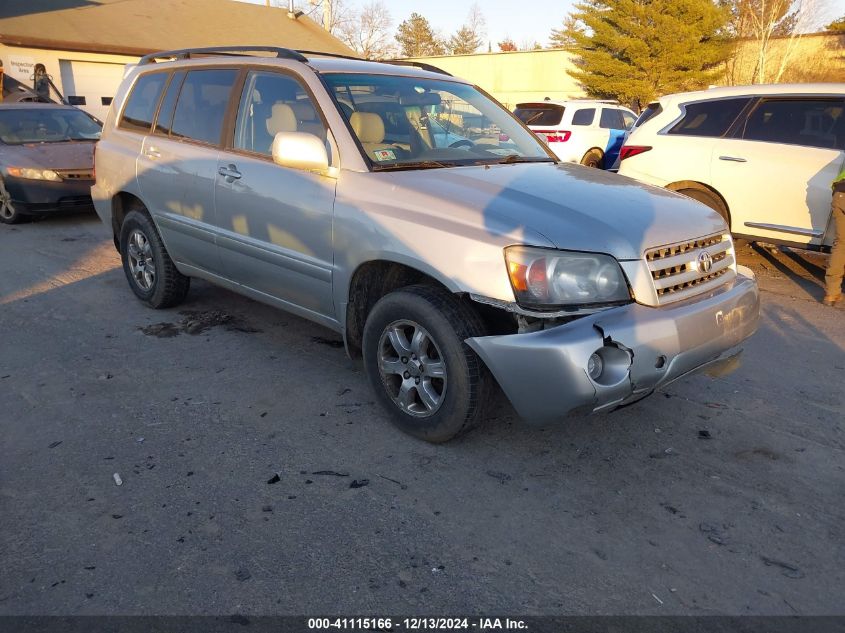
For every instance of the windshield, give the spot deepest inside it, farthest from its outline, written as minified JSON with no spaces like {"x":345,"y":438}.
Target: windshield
{"x":46,"y":125}
{"x":412,"y":123}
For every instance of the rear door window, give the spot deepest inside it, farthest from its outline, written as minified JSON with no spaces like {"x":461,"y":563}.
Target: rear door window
{"x":142,"y":102}
{"x":168,"y":104}
{"x":808,"y":122}
{"x":611,"y":119}
{"x":584,"y":116}
{"x":539,"y":113}
{"x":709,"y":118}
{"x":628,"y":119}
{"x":202,"y":105}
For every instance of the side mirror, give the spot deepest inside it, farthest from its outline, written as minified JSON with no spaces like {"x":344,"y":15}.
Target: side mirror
{"x":300,"y":150}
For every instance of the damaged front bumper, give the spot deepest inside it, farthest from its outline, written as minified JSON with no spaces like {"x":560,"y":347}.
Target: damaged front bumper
{"x":545,"y":375}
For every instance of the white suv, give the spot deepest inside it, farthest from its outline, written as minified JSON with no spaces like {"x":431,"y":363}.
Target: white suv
{"x":762,"y":156}
{"x":582,"y":131}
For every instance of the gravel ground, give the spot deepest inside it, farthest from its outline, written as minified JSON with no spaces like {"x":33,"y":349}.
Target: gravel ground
{"x":239,"y":433}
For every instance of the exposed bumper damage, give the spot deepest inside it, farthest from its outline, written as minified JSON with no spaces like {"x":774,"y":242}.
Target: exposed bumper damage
{"x":545,"y":376}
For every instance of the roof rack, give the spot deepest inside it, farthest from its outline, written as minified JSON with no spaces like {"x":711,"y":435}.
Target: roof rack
{"x":397,"y":62}
{"x":187,"y":53}
{"x":325,"y":54}
{"x":420,"y":65}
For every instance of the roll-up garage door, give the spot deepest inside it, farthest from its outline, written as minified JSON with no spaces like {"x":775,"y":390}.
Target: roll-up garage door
{"x":90,"y":85}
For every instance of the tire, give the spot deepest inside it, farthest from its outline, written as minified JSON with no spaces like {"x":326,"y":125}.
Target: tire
{"x":711,"y":199}
{"x":151,"y":273}
{"x":441,"y":408}
{"x":8,"y":213}
{"x":593,"y":158}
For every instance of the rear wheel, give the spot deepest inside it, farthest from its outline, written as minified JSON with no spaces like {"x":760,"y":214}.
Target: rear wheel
{"x":151,"y":273}
{"x":710,"y":198}
{"x":593,"y":158}
{"x":9,"y":214}
{"x":432,"y":384}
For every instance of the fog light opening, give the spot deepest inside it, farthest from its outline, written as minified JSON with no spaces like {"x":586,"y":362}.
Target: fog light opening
{"x":595,"y":367}
{"x":660,"y":363}
{"x":609,"y":365}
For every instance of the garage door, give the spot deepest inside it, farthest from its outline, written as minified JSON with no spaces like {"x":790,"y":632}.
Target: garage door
{"x":90,"y":85}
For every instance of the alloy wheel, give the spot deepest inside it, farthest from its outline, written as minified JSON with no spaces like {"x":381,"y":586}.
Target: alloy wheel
{"x":7,"y":209}
{"x":412,"y":368}
{"x":141,"y":262}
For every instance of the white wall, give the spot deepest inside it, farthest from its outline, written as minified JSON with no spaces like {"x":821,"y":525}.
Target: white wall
{"x":19,"y":63}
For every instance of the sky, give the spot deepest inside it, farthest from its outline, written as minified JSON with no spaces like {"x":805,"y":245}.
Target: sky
{"x":505,"y":18}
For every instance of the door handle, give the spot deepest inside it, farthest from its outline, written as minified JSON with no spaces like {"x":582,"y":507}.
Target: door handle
{"x":733,"y":159}
{"x":230,"y":173}
{"x":152,"y":152}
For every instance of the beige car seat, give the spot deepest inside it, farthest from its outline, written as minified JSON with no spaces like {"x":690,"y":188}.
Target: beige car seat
{"x":369,"y":128}
{"x":307,"y":119}
{"x":282,"y":119}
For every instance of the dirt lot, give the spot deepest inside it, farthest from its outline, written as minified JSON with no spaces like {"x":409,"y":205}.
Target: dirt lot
{"x":239,"y":433}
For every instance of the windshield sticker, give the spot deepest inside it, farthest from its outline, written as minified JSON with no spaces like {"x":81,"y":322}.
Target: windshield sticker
{"x":384,"y":154}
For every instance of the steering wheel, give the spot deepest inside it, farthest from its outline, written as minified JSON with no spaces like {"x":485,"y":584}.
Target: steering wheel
{"x":462,"y":143}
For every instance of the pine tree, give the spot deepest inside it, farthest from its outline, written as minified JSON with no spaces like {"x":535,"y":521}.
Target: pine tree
{"x":417,"y":39}
{"x":464,"y":42}
{"x":636,"y":50}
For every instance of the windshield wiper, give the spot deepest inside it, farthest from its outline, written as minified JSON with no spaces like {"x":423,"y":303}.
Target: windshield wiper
{"x":516,"y":158}
{"x":422,"y":164}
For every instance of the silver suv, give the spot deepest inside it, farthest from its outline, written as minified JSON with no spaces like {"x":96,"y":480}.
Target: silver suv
{"x":451,"y":262}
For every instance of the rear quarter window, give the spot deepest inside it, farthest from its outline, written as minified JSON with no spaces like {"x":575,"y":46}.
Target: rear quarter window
{"x":709,"y":118}
{"x":649,"y":113}
{"x":142,"y":102}
{"x":539,"y":113}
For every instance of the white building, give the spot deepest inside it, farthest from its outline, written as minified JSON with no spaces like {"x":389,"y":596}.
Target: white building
{"x":86,"y":44}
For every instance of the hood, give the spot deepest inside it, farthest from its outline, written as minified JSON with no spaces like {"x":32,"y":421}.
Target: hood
{"x":573,"y":207}
{"x":69,"y":155}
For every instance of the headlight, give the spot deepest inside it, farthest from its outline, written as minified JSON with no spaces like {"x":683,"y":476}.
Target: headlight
{"x":546,"y":279}
{"x":33,"y":174}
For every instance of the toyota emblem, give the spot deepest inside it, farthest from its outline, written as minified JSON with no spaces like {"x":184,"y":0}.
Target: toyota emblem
{"x":705,"y":262}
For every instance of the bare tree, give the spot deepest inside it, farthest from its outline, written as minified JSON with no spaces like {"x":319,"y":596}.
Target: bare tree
{"x":776,"y":28}
{"x":470,"y":36}
{"x":368,"y":31}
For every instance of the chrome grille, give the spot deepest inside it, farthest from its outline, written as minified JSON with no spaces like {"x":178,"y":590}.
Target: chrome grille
{"x":76,"y":174}
{"x":677,"y":272}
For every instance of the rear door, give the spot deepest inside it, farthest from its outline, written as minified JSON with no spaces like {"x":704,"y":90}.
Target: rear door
{"x":275,"y":223}
{"x":775,"y":171}
{"x":177,"y":169}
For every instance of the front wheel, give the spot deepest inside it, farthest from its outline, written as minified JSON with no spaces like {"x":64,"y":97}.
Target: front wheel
{"x":9,"y":214}
{"x":432,"y":384}
{"x":151,"y":273}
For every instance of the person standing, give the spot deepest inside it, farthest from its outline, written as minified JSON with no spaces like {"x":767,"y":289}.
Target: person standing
{"x":836,"y":265}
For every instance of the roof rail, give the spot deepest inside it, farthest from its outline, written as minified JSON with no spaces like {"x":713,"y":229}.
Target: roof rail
{"x":421,"y":65}
{"x":324,"y":54}
{"x":187,"y":53}
{"x":397,"y":62}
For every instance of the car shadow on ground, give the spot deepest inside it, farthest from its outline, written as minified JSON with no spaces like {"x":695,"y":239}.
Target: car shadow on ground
{"x":800,"y":268}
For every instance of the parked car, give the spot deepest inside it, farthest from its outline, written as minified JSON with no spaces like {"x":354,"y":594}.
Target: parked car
{"x":763,"y":157}
{"x":582,"y":131}
{"x":46,"y":160}
{"x":447,"y":269}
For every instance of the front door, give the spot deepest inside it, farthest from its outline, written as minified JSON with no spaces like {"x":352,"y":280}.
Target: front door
{"x":275,"y":223}
{"x":776,"y":172}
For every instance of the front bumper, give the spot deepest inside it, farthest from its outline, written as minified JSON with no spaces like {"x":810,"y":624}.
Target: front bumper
{"x":544,"y":374}
{"x":44,"y":196}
